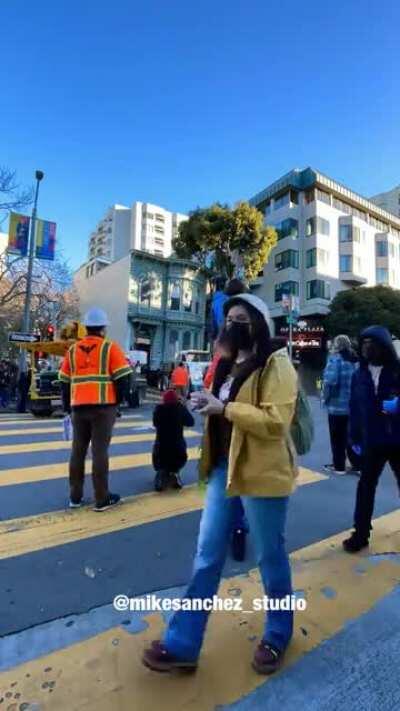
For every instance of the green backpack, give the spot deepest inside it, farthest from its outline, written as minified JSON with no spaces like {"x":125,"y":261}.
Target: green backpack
{"x":302,"y":427}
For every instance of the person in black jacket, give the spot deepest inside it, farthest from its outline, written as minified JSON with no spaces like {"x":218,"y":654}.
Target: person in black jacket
{"x":374,"y":424}
{"x":169,"y":451}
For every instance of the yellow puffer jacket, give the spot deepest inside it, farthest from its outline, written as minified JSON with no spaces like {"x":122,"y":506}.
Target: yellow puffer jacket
{"x":262,"y":457}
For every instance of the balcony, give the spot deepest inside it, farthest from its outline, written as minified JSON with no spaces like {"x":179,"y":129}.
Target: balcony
{"x":352,"y":279}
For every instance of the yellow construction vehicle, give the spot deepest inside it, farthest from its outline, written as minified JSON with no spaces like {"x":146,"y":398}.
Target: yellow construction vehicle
{"x":44,"y":390}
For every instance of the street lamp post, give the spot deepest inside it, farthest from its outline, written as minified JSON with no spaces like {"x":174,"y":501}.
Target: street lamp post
{"x":39,"y":175}
{"x":31,"y":255}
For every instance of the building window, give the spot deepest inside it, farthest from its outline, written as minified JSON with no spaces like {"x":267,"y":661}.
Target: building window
{"x":341,"y":206}
{"x":382,"y":276}
{"x":159,"y":229}
{"x":317,"y":225}
{"x":309,"y":196}
{"x":285,"y":260}
{"x":311,"y":258}
{"x":187,"y":296}
{"x":187,"y":338}
{"x":318,"y":289}
{"x":286,"y":287}
{"x":158,"y":252}
{"x":382,"y":249}
{"x":288,"y":228}
{"x":160,"y":218}
{"x":159,"y":241}
{"x":346,"y":263}
{"x":173,"y":344}
{"x":148,"y":215}
{"x":281,"y":201}
{"x":349,"y":233}
{"x":175,"y":300}
{"x":380,"y":226}
{"x":145,"y":292}
{"x":322,"y":196}
{"x":392,"y":251}
{"x":196,"y":340}
{"x":316,"y":257}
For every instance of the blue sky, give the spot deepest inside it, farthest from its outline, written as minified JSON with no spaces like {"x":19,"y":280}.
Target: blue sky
{"x":184,"y":103}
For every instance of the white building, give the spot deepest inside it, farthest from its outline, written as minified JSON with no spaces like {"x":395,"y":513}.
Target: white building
{"x":329,"y":239}
{"x":389,"y":201}
{"x":144,"y":227}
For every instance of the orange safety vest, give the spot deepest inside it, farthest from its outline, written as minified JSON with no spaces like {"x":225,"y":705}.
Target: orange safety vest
{"x":91,"y":366}
{"x":180,"y":377}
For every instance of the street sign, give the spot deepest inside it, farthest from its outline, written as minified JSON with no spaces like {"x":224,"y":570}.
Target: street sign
{"x":16,"y":337}
{"x":291,"y":320}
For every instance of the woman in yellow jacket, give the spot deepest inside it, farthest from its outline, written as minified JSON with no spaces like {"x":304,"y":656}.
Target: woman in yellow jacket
{"x":247,"y":452}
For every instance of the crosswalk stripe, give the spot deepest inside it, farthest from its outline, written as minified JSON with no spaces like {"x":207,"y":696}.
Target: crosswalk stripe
{"x":52,"y":420}
{"x":52,"y":430}
{"x":45,"y":472}
{"x":61,"y":444}
{"x":125,"y":684}
{"x":33,"y":533}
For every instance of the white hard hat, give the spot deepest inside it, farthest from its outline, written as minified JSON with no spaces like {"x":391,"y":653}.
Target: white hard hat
{"x":96,"y":317}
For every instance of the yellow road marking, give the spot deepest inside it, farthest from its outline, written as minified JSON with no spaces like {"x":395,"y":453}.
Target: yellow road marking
{"x":49,"y":430}
{"x":45,"y":472}
{"x":52,"y":445}
{"x":33,"y":533}
{"x":114,"y":656}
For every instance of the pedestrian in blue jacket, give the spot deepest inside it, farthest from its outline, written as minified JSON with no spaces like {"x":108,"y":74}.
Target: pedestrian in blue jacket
{"x":336,"y":395}
{"x":374,"y":424}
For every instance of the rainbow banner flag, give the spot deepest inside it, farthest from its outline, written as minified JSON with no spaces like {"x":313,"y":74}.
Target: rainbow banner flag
{"x":45,"y":240}
{"x":18,"y":234}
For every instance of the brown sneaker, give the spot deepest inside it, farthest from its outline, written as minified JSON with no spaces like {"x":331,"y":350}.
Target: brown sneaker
{"x":267,"y":659}
{"x":157,"y":658}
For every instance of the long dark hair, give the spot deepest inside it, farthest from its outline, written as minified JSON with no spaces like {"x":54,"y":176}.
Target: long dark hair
{"x":263,"y":349}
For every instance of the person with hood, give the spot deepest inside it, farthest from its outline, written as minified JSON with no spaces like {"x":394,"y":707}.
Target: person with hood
{"x":169,"y":451}
{"x":247,"y":452}
{"x":336,"y":394}
{"x":374,"y":424}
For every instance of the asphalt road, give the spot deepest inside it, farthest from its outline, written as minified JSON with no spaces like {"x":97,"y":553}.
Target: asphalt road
{"x":60,"y":571}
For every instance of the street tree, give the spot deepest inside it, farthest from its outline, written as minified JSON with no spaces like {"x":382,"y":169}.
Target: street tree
{"x":355,"y":309}
{"x":12,"y":196}
{"x":225,"y":240}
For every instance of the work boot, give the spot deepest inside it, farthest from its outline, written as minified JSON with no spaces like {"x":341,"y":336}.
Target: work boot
{"x":157,"y":658}
{"x":355,"y":543}
{"x":239,"y":544}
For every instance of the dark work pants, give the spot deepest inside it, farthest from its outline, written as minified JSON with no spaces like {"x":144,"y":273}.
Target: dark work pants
{"x":372,"y":468}
{"x":91,"y":424}
{"x":338,"y":430}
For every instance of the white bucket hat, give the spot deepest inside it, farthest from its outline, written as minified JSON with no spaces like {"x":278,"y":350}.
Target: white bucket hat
{"x":255,"y":302}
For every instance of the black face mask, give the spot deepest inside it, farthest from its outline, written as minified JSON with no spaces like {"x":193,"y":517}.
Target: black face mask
{"x":239,"y":336}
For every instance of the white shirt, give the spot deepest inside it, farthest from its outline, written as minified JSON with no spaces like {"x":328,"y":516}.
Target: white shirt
{"x":225,"y":390}
{"x":375,"y":371}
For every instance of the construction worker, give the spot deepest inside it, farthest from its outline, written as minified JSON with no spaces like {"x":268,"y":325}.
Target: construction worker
{"x":180,"y":380}
{"x":94,"y":377}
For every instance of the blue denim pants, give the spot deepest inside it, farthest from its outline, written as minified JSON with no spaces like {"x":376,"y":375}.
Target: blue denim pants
{"x":267,"y":517}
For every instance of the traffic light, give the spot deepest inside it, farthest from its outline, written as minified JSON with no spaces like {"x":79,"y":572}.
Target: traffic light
{"x":50,"y":333}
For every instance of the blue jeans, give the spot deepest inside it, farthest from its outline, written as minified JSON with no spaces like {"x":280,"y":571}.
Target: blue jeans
{"x":267,"y":517}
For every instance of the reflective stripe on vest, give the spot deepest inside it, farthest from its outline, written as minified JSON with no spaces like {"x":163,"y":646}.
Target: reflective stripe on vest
{"x":102,"y":378}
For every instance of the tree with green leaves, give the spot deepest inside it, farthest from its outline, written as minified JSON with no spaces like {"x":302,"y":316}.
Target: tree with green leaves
{"x":355,"y":309}
{"x":226,"y":241}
